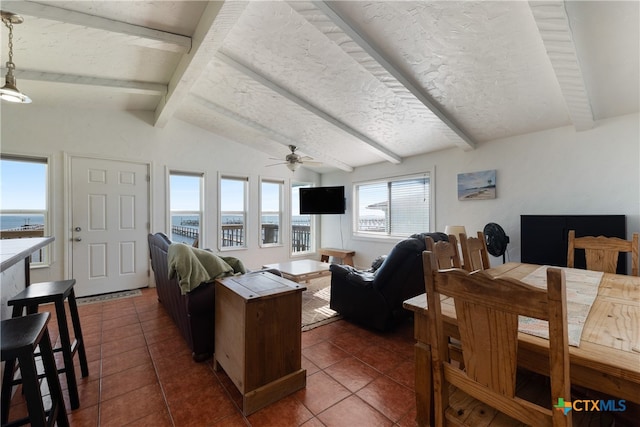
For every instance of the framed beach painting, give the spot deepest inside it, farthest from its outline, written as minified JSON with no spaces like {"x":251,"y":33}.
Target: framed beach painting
{"x":477,"y":185}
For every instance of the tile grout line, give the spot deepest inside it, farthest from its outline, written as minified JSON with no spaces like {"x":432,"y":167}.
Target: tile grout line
{"x":100,"y":365}
{"x":155,"y":369}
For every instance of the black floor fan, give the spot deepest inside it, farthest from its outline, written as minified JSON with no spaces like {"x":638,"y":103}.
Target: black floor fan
{"x":497,"y":240}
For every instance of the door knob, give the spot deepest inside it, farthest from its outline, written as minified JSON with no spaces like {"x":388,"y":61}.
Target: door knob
{"x":78,"y":239}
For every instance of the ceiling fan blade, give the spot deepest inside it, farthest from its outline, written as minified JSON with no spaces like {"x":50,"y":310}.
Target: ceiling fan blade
{"x":294,"y":158}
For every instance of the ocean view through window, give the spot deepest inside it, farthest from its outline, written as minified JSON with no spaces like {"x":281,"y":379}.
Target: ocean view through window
{"x":302,"y":226}
{"x":187,"y":221}
{"x":185,"y":199}
{"x":24,"y":201}
{"x":233,"y":212}
{"x":271,"y":212}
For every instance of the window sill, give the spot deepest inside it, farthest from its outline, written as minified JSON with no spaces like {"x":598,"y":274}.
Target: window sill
{"x":271,"y":245}
{"x":380,"y":239}
{"x":234,"y":248}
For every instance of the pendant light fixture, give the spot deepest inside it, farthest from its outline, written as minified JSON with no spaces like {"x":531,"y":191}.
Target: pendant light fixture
{"x":10,"y":92}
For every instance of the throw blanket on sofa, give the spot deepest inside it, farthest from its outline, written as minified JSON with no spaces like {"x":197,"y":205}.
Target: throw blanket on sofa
{"x":194,"y":266}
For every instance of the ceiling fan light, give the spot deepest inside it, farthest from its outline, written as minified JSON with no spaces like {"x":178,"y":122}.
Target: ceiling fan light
{"x":293,"y":166}
{"x":10,"y":92}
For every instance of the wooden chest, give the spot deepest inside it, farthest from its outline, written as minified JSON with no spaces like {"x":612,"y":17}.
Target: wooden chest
{"x":258,"y":336}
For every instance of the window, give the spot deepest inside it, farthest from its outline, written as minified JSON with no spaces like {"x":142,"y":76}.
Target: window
{"x":185,"y":200}
{"x":270,"y":212}
{"x":302,"y":227}
{"x":395,"y":207}
{"x":233,"y":212}
{"x":24,"y":201}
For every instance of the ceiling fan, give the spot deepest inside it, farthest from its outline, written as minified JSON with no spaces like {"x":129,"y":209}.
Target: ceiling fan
{"x":294,"y":160}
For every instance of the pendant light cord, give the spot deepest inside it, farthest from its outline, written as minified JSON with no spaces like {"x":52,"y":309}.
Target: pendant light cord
{"x":9,"y":25}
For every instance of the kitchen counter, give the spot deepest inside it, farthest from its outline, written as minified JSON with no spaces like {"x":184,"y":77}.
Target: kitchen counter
{"x":15,"y":267}
{"x":12,"y":251}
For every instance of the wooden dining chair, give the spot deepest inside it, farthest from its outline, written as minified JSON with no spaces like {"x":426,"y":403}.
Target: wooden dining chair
{"x":447,"y":253}
{"x":602,"y":253}
{"x":448,"y":256}
{"x":474,"y":252}
{"x":487,"y":311}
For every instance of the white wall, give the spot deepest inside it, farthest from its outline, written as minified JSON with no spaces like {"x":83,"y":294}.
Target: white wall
{"x":554,"y":172}
{"x":33,"y":130}
{"x":559,"y":171}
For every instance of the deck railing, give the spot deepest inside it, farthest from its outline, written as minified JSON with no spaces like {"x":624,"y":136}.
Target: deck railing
{"x":233,"y":235}
{"x":300,"y":238}
{"x":185,"y":231}
{"x":372,"y":224}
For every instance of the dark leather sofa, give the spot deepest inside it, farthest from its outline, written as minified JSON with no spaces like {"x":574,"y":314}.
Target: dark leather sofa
{"x":374,"y":297}
{"x":194,"y":312}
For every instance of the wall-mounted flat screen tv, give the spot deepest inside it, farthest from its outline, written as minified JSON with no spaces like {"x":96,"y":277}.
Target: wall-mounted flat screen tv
{"x":322,"y":200}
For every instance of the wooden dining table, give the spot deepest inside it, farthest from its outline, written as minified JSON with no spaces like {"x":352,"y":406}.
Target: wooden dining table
{"x":606,"y":361}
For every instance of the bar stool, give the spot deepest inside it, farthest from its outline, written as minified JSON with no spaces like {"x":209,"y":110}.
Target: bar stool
{"x":20,"y":337}
{"x":57,"y":292}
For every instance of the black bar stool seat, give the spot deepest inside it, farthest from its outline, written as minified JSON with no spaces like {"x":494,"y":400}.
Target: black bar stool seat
{"x":20,"y":337}
{"x":57,"y":292}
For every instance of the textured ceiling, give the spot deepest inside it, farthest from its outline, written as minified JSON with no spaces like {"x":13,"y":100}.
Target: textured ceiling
{"x":350,"y":83}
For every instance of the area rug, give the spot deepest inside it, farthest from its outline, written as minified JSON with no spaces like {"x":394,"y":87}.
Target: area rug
{"x":108,"y":297}
{"x":315,"y":304}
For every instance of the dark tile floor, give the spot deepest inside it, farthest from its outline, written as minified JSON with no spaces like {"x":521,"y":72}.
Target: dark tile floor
{"x":141,"y":374}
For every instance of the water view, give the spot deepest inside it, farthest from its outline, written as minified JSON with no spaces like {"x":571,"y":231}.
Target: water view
{"x":21,"y":222}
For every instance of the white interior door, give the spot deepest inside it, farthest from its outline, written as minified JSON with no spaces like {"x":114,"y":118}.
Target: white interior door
{"x":109,"y":221}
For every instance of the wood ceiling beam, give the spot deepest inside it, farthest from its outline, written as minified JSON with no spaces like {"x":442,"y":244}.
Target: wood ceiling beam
{"x":371,"y":144}
{"x":141,"y":88}
{"x":555,"y":31}
{"x":141,"y":36}
{"x":276,"y":136}
{"x":464,"y":141}
{"x":217,"y":20}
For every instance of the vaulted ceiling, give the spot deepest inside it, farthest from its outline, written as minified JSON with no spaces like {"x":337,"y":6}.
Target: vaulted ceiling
{"x":350,"y":83}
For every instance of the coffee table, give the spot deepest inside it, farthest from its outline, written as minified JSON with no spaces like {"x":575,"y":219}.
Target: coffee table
{"x":301,"y":270}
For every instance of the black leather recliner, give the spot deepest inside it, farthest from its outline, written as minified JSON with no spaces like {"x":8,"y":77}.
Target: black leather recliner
{"x":374,"y":297}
